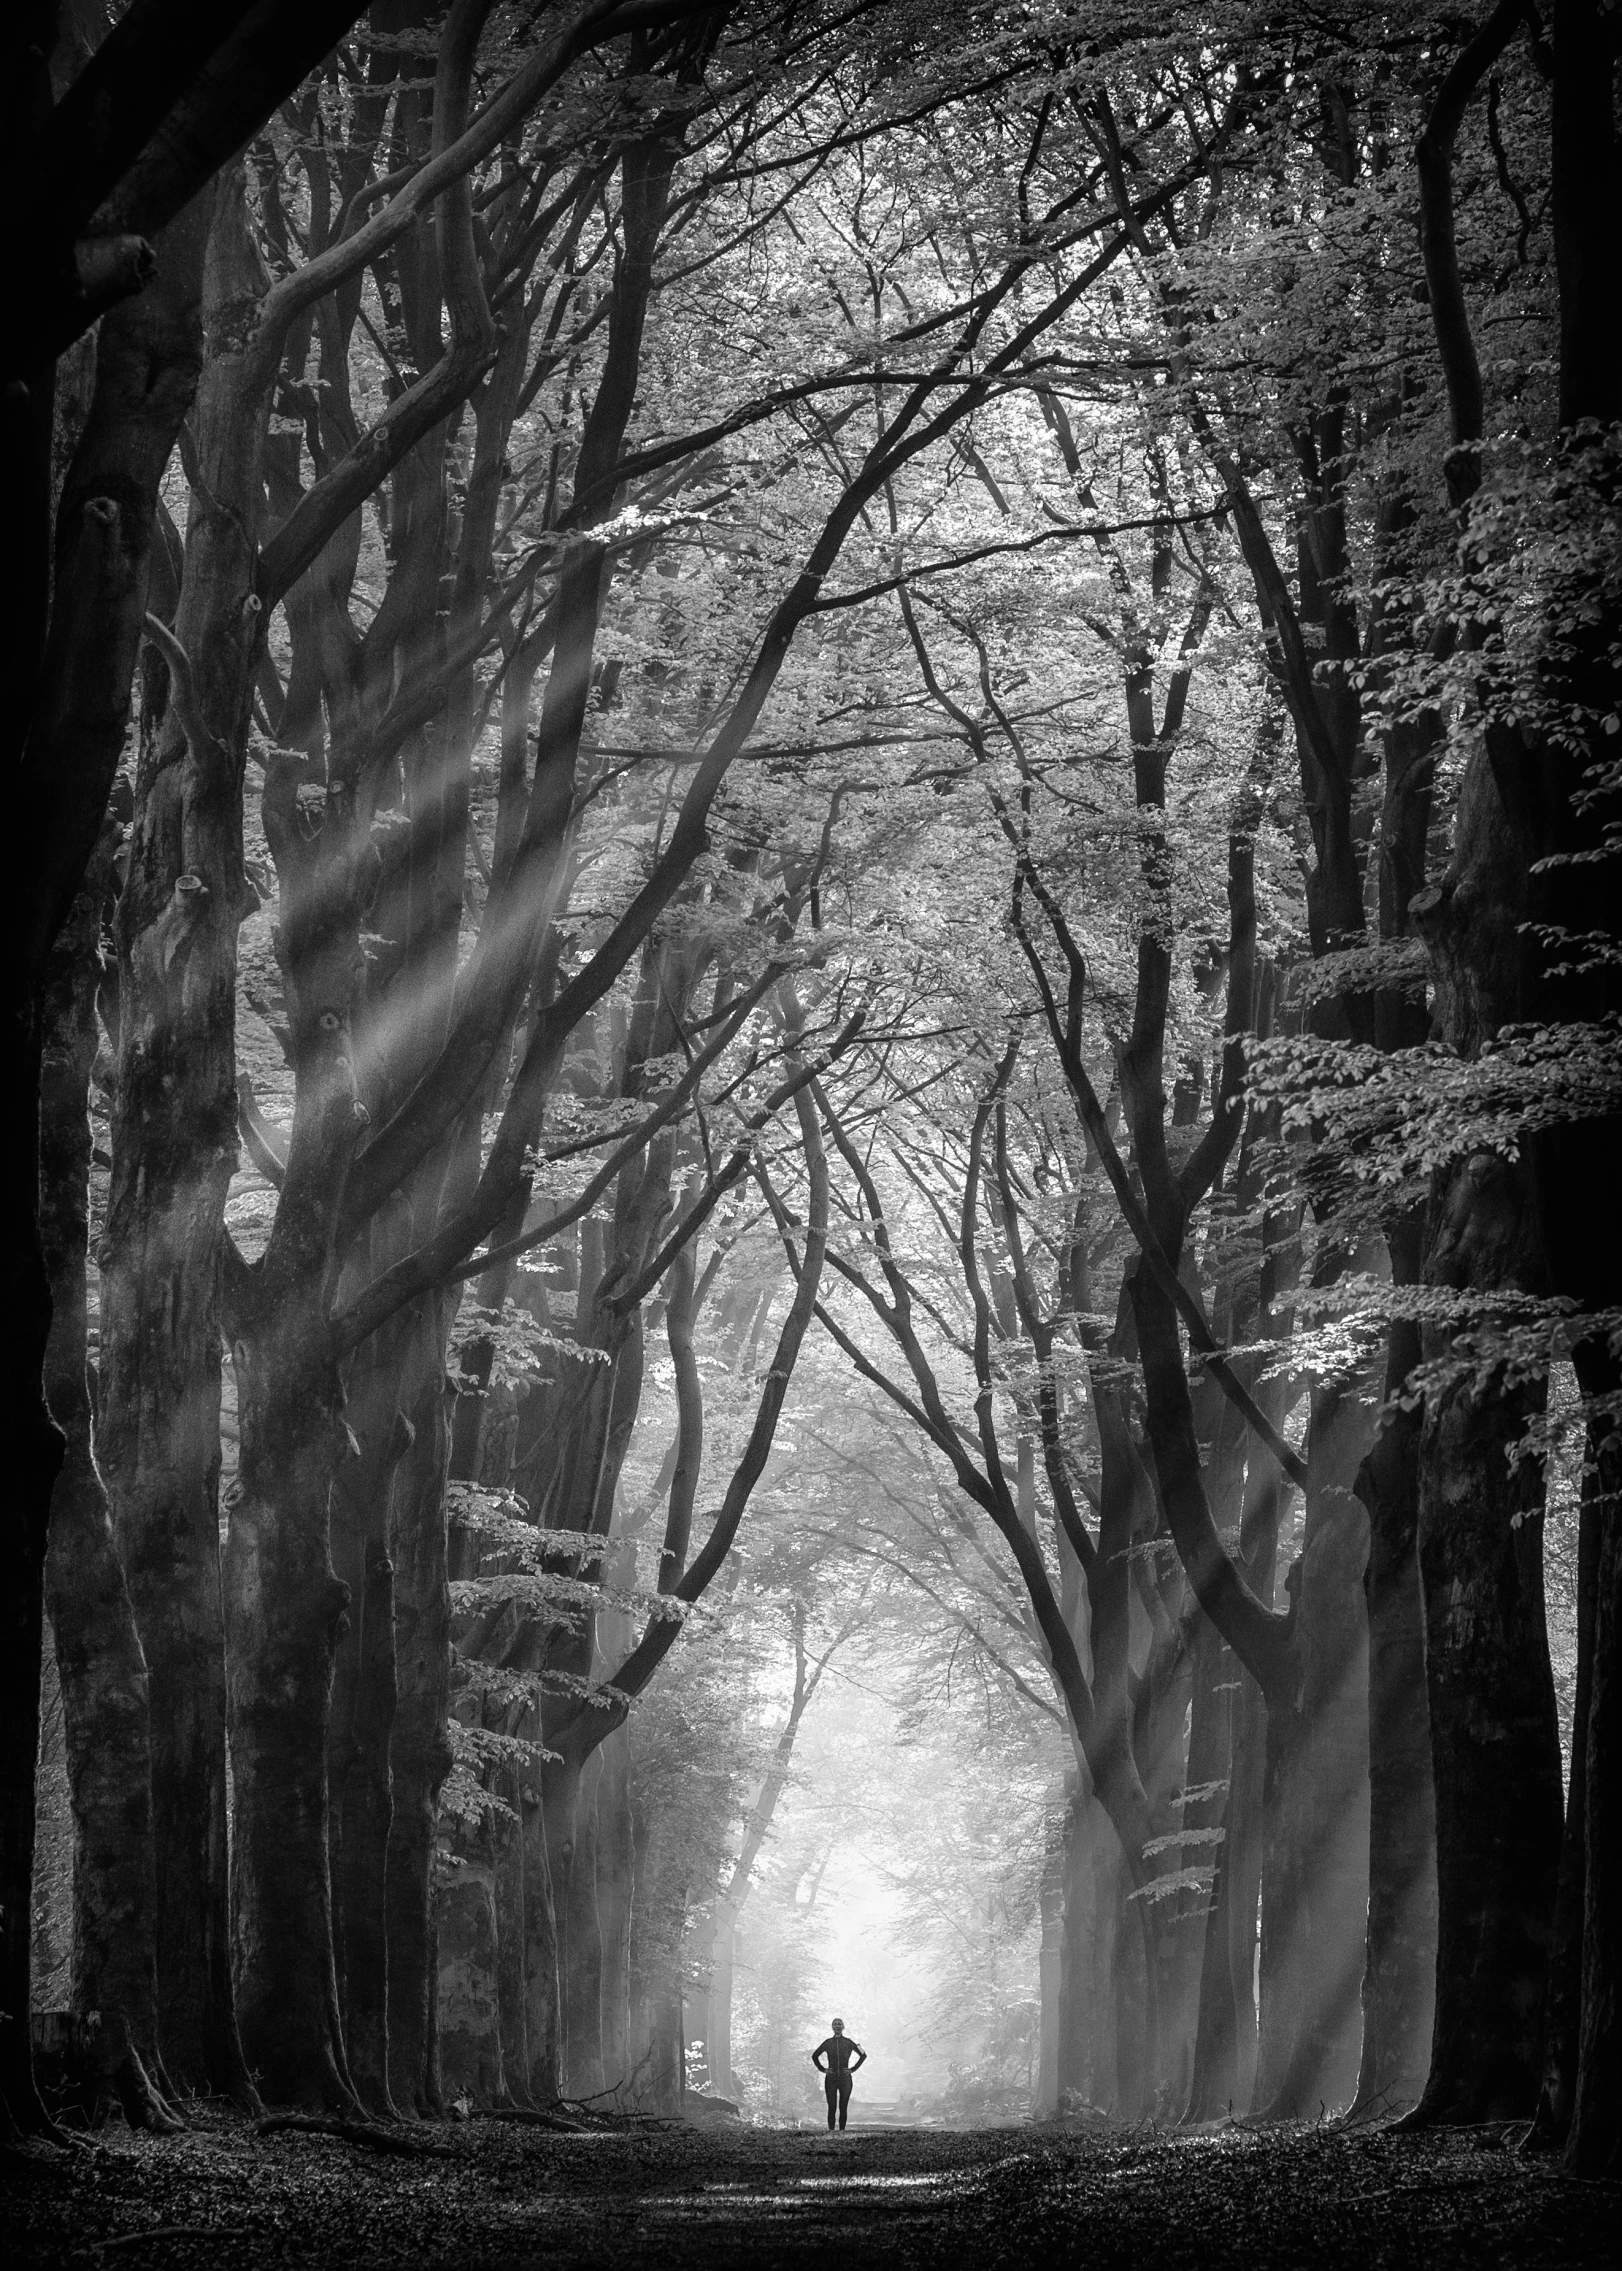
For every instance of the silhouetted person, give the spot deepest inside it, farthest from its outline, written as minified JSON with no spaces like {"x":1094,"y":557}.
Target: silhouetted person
{"x":838,"y":2073}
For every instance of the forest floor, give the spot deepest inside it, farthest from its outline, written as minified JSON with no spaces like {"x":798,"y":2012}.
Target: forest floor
{"x":222,"y":2198}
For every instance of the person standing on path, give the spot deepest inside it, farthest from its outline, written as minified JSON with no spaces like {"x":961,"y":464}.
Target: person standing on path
{"x":839,"y":2072}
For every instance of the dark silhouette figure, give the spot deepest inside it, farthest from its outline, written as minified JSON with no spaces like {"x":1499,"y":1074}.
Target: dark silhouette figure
{"x":839,"y":2072}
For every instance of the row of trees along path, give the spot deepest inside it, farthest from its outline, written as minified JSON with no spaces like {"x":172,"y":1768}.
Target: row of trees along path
{"x":715,"y":700}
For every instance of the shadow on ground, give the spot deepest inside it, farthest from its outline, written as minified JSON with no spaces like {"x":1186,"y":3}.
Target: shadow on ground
{"x":1232,"y":2199}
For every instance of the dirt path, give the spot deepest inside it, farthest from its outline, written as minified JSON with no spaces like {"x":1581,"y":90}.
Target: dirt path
{"x":221,"y":2199}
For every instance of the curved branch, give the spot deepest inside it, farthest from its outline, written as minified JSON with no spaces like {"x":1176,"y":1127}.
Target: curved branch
{"x":1185,"y":1302}
{"x":1450,"y":317}
{"x":595,"y":1722}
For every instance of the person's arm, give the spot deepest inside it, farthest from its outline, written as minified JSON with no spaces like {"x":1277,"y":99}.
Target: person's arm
{"x":861,"y":2055}
{"x":816,"y":2058}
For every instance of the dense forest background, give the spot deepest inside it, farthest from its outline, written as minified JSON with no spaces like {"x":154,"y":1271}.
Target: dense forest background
{"x":815,"y":913}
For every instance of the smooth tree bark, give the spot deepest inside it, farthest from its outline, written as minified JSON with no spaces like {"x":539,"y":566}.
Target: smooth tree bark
{"x":139,"y":132}
{"x":1562,"y":2017}
{"x":1399,"y":1979}
{"x":102,"y":1672}
{"x":1592,"y":2142}
{"x":658,"y":1912}
{"x":174,"y":1150}
{"x":1491,"y":1691}
{"x":616,"y":1870}
{"x":281,"y":1308}
{"x":419,"y":1748}
{"x":1315,"y":1877}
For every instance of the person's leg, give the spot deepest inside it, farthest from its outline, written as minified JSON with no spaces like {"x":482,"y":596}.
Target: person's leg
{"x":832,"y":2088}
{"x":844,"y":2099}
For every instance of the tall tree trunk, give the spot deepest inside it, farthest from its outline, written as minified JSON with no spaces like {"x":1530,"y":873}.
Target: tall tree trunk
{"x":1492,"y":1707}
{"x":1086,"y":1996}
{"x":1206,"y":2014}
{"x":1242,"y":1860}
{"x":1562,"y":2018}
{"x":284,"y":1607}
{"x":1493,"y":1732}
{"x":1052,"y":2015}
{"x":580,"y":1937}
{"x":1312,"y":1971}
{"x":658,"y":1909}
{"x":512,"y":2011}
{"x":561,"y":1810}
{"x":360,"y":1795}
{"x":174,"y":1143}
{"x":1594,"y":2144}
{"x":469,"y":1984}
{"x":542,"y":2002}
{"x":98,"y":1650}
{"x":1399,"y":1977}
{"x":146,"y":362}
{"x":1210,"y":1783}
{"x":1162,"y":1704}
{"x":35,"y":1448}
{"x":615,"y":1892}
{"x":419,"y":1747}
{"x":1209,"y":2013}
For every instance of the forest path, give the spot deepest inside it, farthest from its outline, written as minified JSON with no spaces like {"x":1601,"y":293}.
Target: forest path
{"x":728,"y":2196}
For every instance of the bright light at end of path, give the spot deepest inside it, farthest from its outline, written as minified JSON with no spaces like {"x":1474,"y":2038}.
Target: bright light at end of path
{"x":875,"y":1985}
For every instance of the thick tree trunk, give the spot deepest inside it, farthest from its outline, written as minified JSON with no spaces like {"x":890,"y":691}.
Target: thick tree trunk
{"x":1594,"y":2144}
{"x":174,"y":1145}
{"x":34,"y":1445}
{"x":1127,"y":1512}
{"x":1242,"y":1857}
{"x":1562,"y":2017}
{"x":1086,"y":1995}
{"x":1493,"y":1732}
{"x":580,"y":1938}
{"x":1052,"y":2014}
{"x":1214,"y":2089}
{"x":364,"y":1695}
{"x":615,"y":1879}
{"x":284,"y":1606}
{"x":507,"y":1846}
{"x":1312,"y":1967}
{"x":568,"y":1856}
{"x":98,"y":1650}
{"x":1162,"y":1705}
{"x":542,"y":2002}
{"x":1492,"y":1708}
{"x":1256,"y":1498}
{"x":659,"y":1915}
{"x":419,"y":1747}
{"x":1205,"y":2019}
{"x":1399,"y":1978}
{"x":469,"y":1987}
{"x":1128,"y":1987}
{"x":34,"y":1449}
{"x":1210,"y":2012}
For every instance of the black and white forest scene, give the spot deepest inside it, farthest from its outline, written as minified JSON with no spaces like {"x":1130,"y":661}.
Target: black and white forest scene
{"x":814,"y":1273}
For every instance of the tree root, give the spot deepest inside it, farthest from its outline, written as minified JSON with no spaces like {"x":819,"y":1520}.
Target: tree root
{"x":144,"y":2103}
{"x":531,"y":2119}
{"x":377,"y":2140}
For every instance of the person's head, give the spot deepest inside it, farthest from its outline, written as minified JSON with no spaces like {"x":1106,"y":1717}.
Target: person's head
{"x":839,"y":2026}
